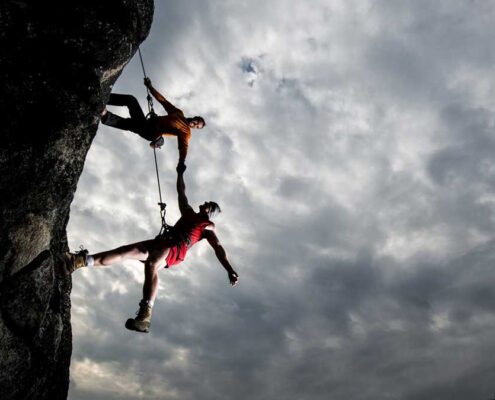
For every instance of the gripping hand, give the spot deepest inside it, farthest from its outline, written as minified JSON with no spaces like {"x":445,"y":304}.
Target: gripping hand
{"x":233,"y":277}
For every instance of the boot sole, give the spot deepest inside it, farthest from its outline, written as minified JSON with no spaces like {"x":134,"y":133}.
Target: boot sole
{"x":130,"y":325}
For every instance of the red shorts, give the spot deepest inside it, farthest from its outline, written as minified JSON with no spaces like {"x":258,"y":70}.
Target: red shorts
{"x":176,"y":254}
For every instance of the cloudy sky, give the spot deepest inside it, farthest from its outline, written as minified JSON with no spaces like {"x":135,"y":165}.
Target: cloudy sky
{"x":351,"y":147}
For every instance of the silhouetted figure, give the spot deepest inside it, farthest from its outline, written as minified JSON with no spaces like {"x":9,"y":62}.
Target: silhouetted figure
{"x":156,"y":126}
{"x":161,"y":252}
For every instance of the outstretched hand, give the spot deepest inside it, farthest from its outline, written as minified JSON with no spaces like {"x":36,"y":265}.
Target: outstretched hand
{"x":147,"y":82}
{"x":233,"y":277}
{"x":181,"y":167}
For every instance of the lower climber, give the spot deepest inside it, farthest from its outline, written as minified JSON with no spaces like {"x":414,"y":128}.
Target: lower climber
{"x":161,"y":252}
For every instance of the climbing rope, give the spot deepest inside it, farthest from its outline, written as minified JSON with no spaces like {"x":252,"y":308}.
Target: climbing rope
{"x":165,"y":228}
{"x":151,"y":111}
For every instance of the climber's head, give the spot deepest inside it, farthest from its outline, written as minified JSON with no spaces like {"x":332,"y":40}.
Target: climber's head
{"x":209,"y":208}
{"x":196,"y":122}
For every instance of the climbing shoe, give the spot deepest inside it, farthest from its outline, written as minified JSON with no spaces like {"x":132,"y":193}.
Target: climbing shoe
{"x":75,"y":261}
{"x":142,"y":321}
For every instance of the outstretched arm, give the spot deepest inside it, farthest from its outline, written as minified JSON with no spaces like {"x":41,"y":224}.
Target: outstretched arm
{"x":169,"y":107}
{"x":181,"y":189}
{"x":183,"y":145}
{"x":221,"y":255}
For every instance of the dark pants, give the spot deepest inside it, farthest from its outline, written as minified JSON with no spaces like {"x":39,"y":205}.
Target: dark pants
{"x":137,"y":122}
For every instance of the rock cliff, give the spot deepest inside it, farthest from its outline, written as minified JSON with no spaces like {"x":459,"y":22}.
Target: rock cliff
{"x":57,"y":64}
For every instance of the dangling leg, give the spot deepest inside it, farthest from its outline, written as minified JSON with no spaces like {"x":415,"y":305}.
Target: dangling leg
{"x":155,"y":261}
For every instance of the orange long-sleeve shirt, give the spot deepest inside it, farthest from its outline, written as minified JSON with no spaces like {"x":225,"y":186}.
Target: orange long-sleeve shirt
{"x":174,"y":124}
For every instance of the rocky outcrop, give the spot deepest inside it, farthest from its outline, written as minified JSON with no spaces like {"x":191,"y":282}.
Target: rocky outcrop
{"x":58,"y":62}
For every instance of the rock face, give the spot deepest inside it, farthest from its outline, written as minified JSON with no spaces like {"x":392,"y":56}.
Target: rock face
{"x":58,"y":62}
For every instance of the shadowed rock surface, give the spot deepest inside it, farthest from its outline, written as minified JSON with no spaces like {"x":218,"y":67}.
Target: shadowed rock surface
{"x":58,"y":62}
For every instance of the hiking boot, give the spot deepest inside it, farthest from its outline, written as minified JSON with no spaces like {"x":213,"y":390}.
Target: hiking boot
{"x":75,"y":261}
{"x":142,"y":321}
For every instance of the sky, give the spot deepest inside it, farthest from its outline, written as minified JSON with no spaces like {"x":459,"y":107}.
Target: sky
{"x":350,"y":145}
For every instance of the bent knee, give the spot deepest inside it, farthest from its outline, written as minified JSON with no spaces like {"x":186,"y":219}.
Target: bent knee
{"x":156,"y":260}
{"x":153,"y":266}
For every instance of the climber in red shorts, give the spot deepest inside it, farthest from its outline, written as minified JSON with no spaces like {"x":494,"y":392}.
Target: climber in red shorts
{"x":161,"y":252}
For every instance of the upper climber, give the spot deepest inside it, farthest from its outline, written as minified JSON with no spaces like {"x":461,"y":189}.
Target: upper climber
{"x":156,"y":126}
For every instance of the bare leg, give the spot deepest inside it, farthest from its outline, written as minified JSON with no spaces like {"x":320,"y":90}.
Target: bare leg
{"x":155,"y":261}
{"x":156,"y":258}
{"x":151,"y":251}
{"x":136,"y":251}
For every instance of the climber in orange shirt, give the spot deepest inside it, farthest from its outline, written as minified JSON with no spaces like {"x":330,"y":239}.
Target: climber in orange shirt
{"x":156,"y":126}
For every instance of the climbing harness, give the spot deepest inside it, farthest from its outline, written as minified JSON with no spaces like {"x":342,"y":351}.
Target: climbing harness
{"x":165,"y":229}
